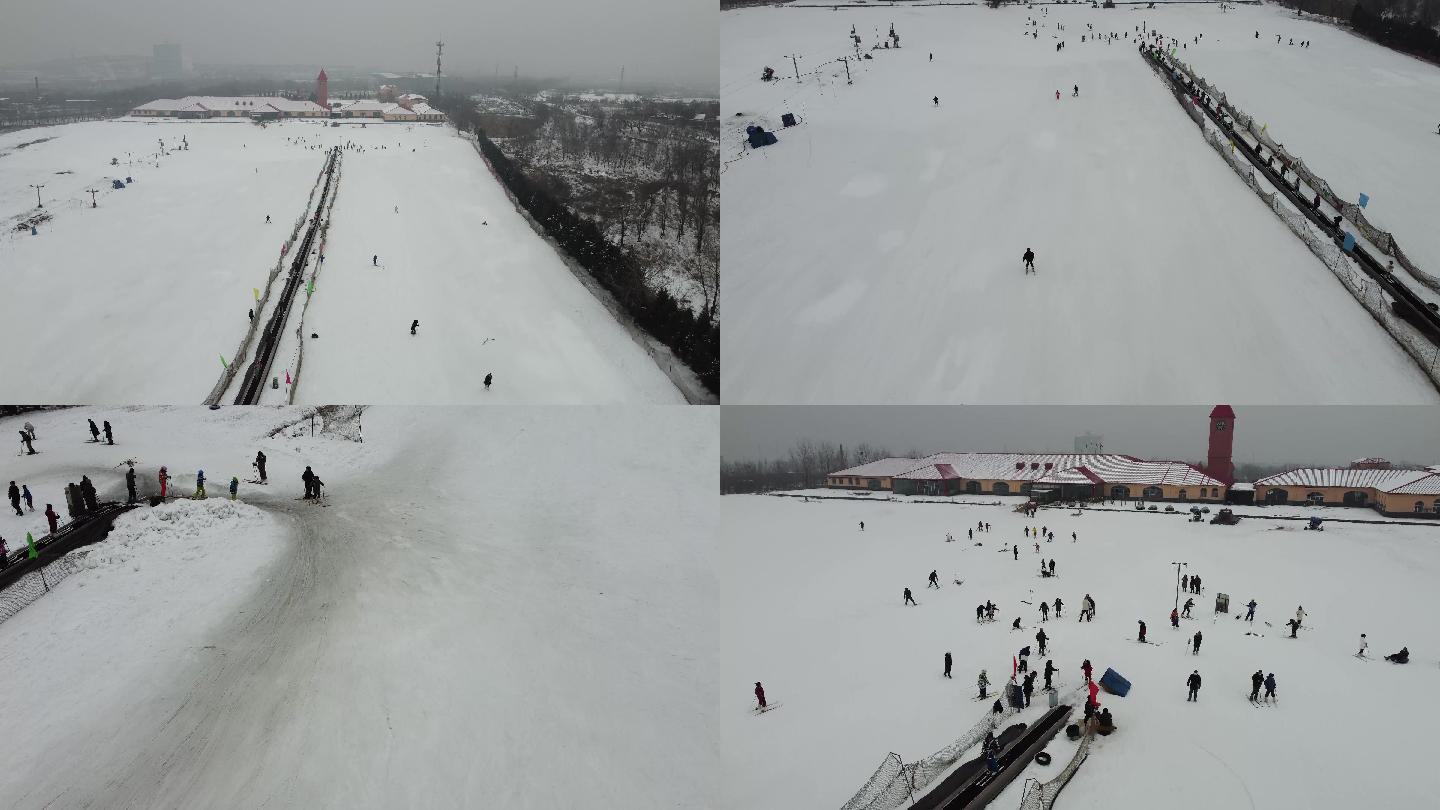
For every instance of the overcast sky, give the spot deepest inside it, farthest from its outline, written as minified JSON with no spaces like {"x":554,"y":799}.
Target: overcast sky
{"x":656,"y":40}
{"x":1264,"y":435}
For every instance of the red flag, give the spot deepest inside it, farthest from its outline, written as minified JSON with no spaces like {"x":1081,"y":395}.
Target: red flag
{"x":287,"y":376}
{"x":1014,"y":667}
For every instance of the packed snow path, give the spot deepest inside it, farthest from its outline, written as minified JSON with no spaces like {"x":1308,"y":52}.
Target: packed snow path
{"x":879,"y":242}
{"x":443,"y":634}
{"x":140,"y":299}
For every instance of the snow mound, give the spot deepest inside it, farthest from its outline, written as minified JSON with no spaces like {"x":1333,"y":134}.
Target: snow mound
{"x":182,"y":530}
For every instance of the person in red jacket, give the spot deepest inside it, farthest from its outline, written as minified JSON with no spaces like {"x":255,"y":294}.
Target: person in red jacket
{"x":164,"y":478}
{"x":1174,"y":617}
{"x":53,"y":518}
{"x":760,"y":694}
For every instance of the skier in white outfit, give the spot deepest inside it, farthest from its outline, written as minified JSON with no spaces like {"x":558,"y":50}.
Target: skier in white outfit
{"x":1364,"y":645}
{"x":1299,"y":616}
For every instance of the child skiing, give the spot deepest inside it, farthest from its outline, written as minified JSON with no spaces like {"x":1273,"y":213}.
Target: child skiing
{"x":1029,"y":255}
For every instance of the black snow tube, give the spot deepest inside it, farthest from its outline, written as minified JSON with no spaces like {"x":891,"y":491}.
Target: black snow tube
{"x":1042,"y":758}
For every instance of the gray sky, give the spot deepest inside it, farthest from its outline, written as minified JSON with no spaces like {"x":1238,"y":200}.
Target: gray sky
{"x":1263,"y":434}
{"x":657,"y":40}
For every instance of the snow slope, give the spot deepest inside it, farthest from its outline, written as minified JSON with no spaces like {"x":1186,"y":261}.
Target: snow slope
{"x":138,"y":300}
{"x":497,"y":608}
{"x":813,"y":610}
{"x":880,"y":241}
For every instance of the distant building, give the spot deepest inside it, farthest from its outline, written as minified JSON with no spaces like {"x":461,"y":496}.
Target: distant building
{"x":167,"y":62}
{"x":1414,"y":493}
{"x":1088,"y":442}
{"x":256,"y":108}
{"x":388,"y":92}
{"x":322,"y":89}
{"x":1369,"y":464}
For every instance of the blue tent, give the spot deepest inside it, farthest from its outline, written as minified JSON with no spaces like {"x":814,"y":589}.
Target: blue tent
{"x":759,"y":137}
{"x":1114,"y":684}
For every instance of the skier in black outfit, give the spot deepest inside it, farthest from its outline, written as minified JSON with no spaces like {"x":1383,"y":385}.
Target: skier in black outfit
{"x":415,"y":324}
{"x":1270,"y":686}
{"x":15,"y":499}
{"x":309,"y":478}
{"x":1041,"y":638}
{"x":1250,"y":616}
{"x":130,"y":485}
{"x":87,"y":493}
{"x":1195,"y":643}
{"x":1058,"y":605}
{"x":488,"y":379}
{"x":260,"y":464}
{"x":948,"y":661}
{"x":1044,"y":611}
{"x":1016,"y":624}
{"x":937,"y":101}
{"x":1029,"y":687}
{"x":1189,"y":603}
{"x":1402,"y":657}
{"x":1142,"y":632}
{"x":1050,"y":671}
{"x":934,"y":580}
{"x":94,"y":431}
{"x":109,"y":438}
{"x":1029,"y":257}
{"x":1256,"y":681}
{"x":910,"y":599}
{"x":28,"y":443}
{"x":979,"y":613}
{"x":1294,"y":625}
{"x":1016,"y":550}
{"x":1194,"y":683}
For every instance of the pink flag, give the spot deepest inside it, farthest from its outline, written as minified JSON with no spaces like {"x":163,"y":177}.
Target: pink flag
{"x":287,"y":376}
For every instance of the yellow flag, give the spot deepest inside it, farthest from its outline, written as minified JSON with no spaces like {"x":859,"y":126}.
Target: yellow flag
{"x":257,"y":293}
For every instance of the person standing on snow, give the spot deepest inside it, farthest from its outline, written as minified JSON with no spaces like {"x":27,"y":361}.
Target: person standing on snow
{"x":1142,"y":632}
{"x":1294,"y":626}
{"x":94,"y":431}
{"x":1194,"y":683}
{"x":164,"y":479}
{"x":1087,"y":669}
{"x":1250,"y":616}
{"x":130,"y":485}
{"x":910,"y":599}
{"x":948,"y":662}
{"x":1076,"y":93}
{"x":1174,"y":618}
{"x":375,"y":260}
{"x":1044,"y":612}
{"x":760,"y":694}
{"x":27,"y":497}
{"x":937,"y":101}
{"x":1050,"y":671}
{"x":234,"y":486}
{"x":52,"y":518}
{"x":1195,"y":643}
{"x":1041,"y":638}
{"x":1185,"y":582}
{"x":1363,"y":646}
{"x":1270,"y":687}
{"x":979,"y":613}
{"x":109,"y":437}
{"x":1189,"y":603}
{"x":1028,"y":688}
{"x":259,"y":464}
{"x":983,"y":681}
{"x":15,"y":499}
{"x":30,"y":429}
{"x":1255,"y":682}
{"x":1299,"y":616}
{"x":862,"y":523}
{"x":309,"y":478}
{"x":1015,"y":549}
{"x":934,"y":580}
{"x":1058,"y":603}
{"x":199,"y":484}
{"x":488,"y":379}
{"x":1029,"y":257}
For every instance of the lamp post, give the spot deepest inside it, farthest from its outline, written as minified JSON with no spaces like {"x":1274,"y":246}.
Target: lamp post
{"x":38,"y":203}
{"x":93,"y":192}
{"x":1177,"y":582}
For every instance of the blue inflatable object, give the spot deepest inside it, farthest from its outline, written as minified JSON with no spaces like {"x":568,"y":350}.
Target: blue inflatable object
{"x":1349,"y":242}
{"x":1114,"y":684}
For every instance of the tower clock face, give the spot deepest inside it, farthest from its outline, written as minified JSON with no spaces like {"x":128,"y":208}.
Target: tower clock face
{"x":1220,"y":424}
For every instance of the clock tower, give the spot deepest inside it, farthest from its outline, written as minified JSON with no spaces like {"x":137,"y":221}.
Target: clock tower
{"x":1219,"y":463}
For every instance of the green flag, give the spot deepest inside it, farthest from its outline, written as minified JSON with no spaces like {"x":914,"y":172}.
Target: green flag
{"x":223,"y":364}
{"x":30,"y":539}
{"x":310,"y":288}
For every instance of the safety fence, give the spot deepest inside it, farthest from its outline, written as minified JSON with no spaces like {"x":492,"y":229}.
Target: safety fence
{"x":1041,"y":795}
{"x":1353,"y":213}
{"x":23,"y":592}
{"x":896,"y":782}
{"x":1361,"y":287}
{"x":299,"y":356}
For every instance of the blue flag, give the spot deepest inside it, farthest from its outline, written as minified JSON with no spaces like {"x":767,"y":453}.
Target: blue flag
{"x":1364,"y":198}
{"x":1349,"y":242}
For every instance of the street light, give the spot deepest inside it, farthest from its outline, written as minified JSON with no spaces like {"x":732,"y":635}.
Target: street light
{"x":92,"y":192}
{"x":1177,"y":582}
{"x":38,"y":204}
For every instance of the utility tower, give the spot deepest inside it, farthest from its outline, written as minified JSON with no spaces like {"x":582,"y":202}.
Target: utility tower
{"x":439,"y":48}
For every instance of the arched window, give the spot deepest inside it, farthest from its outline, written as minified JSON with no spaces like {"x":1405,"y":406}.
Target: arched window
{"x":1419,"y":506}
{"x":1185,"y":497}
{"x":1119,"y":493}
{"x":1355,"y":498}
{"x":972,"y":487}
{"x":1154,"y":492}
{"x":1000,"y":488}
{"x":1317,"y":498}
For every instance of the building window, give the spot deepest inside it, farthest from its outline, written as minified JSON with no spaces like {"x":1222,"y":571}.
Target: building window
{"x":1184,"y":496}
{"x":1000,"y":488}
{"x":1316,"y":498}
{"x":1154,"y":492}
{"x":1419,"y":506}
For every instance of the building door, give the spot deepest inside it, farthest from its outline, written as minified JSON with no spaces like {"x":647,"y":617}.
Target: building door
{"x":972,"y":487}
{"x":1354,"y":498}
{"x":1277,"y":496}
{"x":1000,"y":488}
{"x":1119,"y":493}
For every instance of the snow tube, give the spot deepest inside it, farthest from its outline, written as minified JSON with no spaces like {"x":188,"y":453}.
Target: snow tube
{"x":1042,"y":758}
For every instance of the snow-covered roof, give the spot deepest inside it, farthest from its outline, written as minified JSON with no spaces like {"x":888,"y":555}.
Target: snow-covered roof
{"x":1385,"y":480}
{"x":1242,"y":487}
{"x":1046,"y":468}
{"x":162,"y":104}
{"x":421,"y":108}
{"x":367,"y":106}
{"x":239,"y":103}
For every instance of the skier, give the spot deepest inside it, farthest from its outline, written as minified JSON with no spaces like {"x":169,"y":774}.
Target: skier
{"x":862,"y":525}
{"x":1293,"y":625}
{"x":1076,"y":93}
{"x":1250,"y":616}
{"x":1089,"y":608}
{"x":259,"y":464}
{"x":1363,"y":646}
{"x":948,"y":661}
{"x":1195,"y":643}
{"x":1041,"y":638}
{"x":1058,"y":604}
{"x":30,"y":429}
{"x":52,"y":518}
{"x":1142,"y":631}
{"x":415,"y":324}
{"x":1024,"y":659}
{"x":1016,"y":624}
{"x":979,"y":613}
{"x":1052,"y":568}
{"x":87,"y":493}
{"x":1402,"y":657}
{"x":1189,"y":603}
{"x":910,"y":599}
{"x":1087,"y":669}
{"x":1029,"y":687}
{"x":488,"y":378}
{"x":309,"y":478}
{"x":109,"y":437}
{"x":1029,"y":257}
{"x":937,"y":101}
{"x":375,"y":260}
{"x":1195,"y":584}
{"x":199,"y":484}
{"x":1255,"y":681}
{"x":1050,"y":671}
{"x":15,"y":499}
{"x":267,"y":219}
{"x":934,"y":580}
{"x":27,"y":497}
{"x":983,"y":681}
{"x":234,"y":486}
{"x":760,"y":694}
{"x":1270,"y":687}
{"x":26,"y":442}
{"x":164,"y":479}
{"x":1299,"y":615}
{"x":1194,"y":683}
{"x":990,"y":610}
{"x":1185,"y":582}
{"x":130,"y":485}
{"x":94,"y":432}
{"x":1044,"y":613}
{"x":1174,"y":618}
{"x":969,"y":534}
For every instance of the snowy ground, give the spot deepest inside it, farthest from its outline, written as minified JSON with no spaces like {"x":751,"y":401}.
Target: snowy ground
{"x":481,"y":617}
{"x":813,"y":609}
{"x":138,"y":300}
{"x":880,"y":241}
